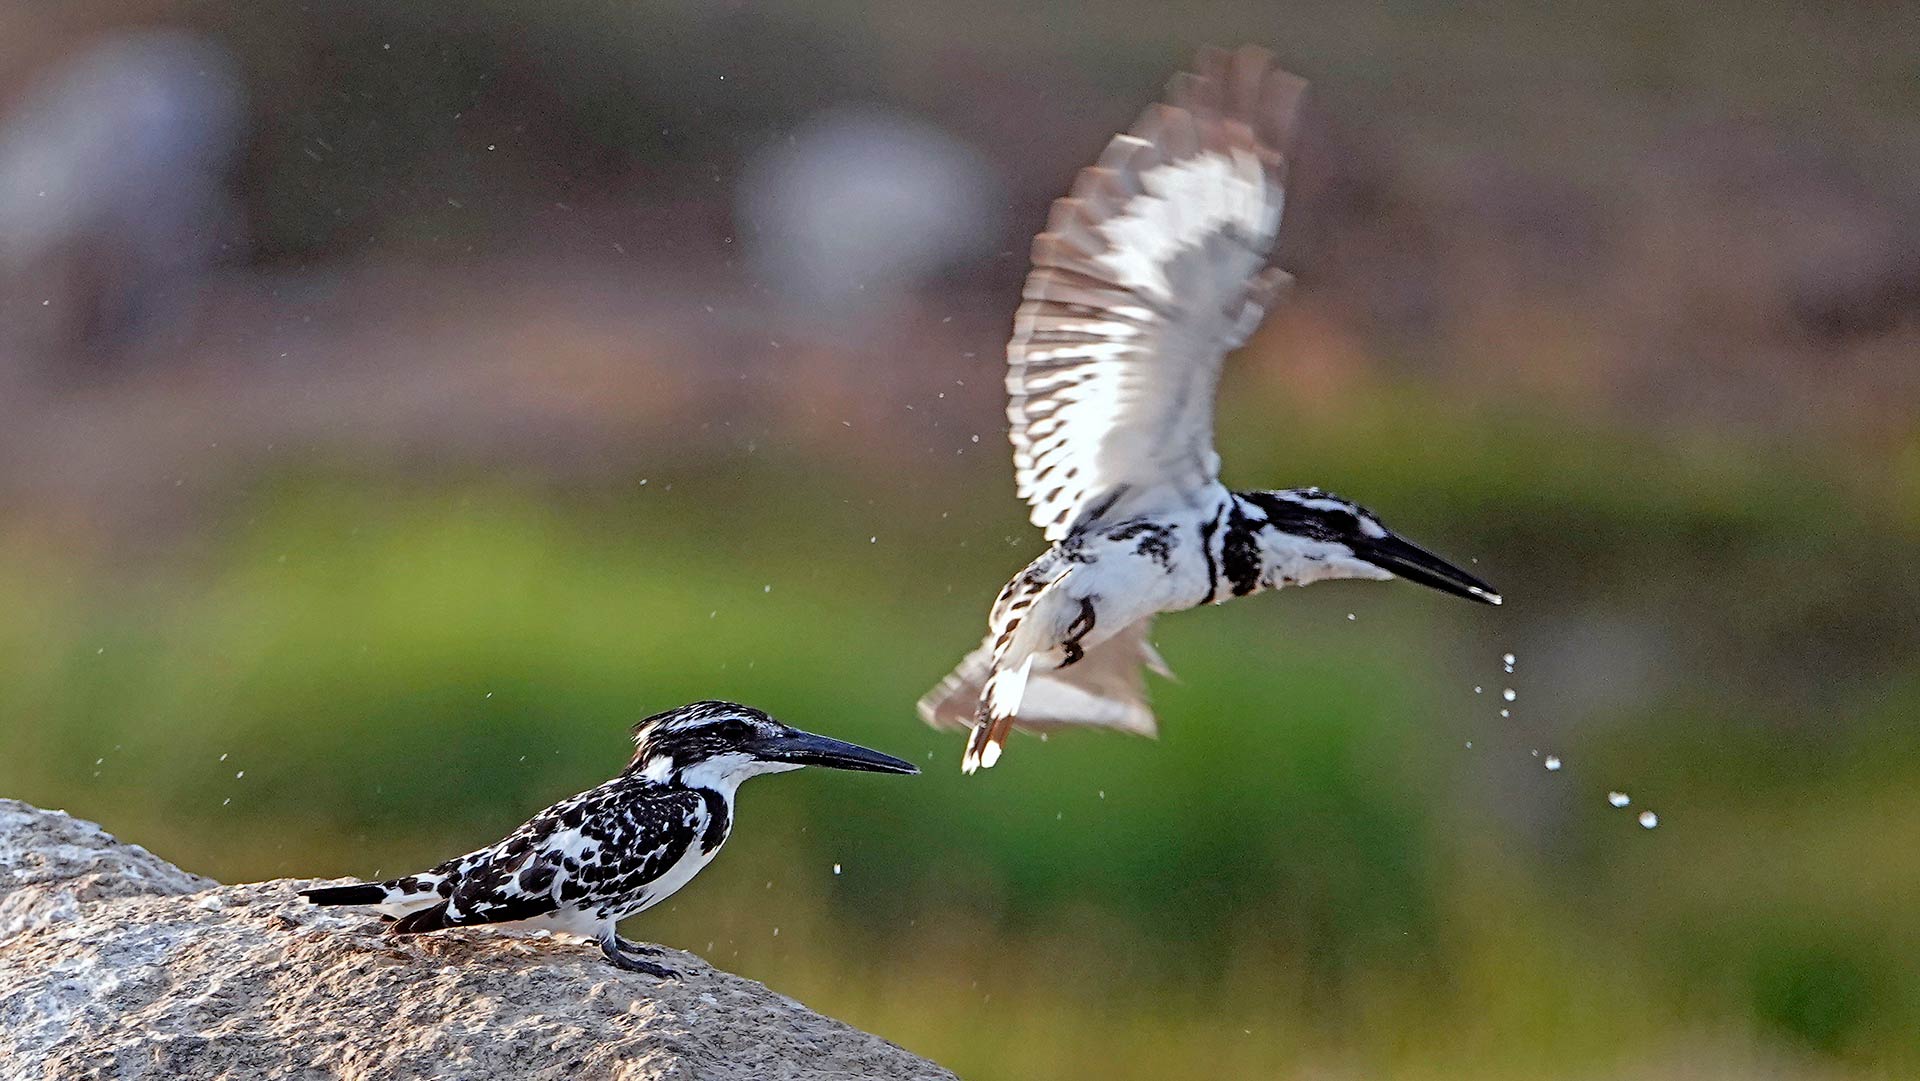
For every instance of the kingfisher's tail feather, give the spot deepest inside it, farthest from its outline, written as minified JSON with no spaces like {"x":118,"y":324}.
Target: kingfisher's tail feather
{"x":955,"y":703}
{"x":360,"y":893}
{"x":1105,"y":689}
{"x":395,"y":897}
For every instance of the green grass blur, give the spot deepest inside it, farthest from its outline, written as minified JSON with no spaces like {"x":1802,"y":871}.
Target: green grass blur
{"x":1311,"y":872}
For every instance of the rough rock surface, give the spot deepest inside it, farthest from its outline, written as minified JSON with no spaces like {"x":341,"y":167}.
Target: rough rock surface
{"x":116,"y":964}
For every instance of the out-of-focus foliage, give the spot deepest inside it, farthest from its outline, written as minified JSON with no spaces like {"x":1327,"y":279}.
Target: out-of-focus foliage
{"x":1309,"y":867}
{"x":454,"y":410}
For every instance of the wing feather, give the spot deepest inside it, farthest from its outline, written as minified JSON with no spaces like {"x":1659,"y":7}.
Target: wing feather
{"x":1149,"y":272}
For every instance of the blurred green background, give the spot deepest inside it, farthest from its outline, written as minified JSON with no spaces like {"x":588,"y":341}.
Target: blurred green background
{"x":396,"y":403}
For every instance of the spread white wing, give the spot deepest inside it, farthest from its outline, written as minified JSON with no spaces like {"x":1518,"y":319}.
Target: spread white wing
{"x":1149,"y":272}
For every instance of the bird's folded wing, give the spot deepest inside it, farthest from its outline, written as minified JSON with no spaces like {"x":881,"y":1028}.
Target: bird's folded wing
{"x":1149,"y":272}
{"x":1105,"y":689}
{"x":505,"y":889}
{"x":588,"y":848}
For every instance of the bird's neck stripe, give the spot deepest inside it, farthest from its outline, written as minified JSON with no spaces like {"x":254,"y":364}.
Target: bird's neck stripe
{"x":1206,"y":549}
{"x":719,"y":819}
{"x":1241,"y":559}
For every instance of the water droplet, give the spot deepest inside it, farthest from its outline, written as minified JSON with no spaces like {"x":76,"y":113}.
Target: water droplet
{"x":1553,"y":762}
{"x":1648,"y":820}
{"x":1619,"y":799}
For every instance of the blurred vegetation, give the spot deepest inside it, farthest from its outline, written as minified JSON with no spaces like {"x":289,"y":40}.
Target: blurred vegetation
{"x":1309,"y":870}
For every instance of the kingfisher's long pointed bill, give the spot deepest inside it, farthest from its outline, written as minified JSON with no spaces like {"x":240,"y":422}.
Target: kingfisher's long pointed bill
{"x":1405,"y":559}
{"x":807,"y":749}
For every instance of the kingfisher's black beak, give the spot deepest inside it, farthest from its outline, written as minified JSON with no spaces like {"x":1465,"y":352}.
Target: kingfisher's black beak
{"x":1405,"y":559}
{"x":807,"y":749}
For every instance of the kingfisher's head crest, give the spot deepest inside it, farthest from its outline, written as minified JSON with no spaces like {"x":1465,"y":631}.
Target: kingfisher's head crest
{"x":1347,"y":540}
{"x":714,"y":744}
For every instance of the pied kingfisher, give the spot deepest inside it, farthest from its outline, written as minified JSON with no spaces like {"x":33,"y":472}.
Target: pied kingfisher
{"x":588,"y":862}
{"x":1148,"y":274}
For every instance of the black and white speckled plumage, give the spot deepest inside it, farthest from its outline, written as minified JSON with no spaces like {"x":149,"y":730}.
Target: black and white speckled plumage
{"x":594,"y":859}
{"x":1152,"y":269}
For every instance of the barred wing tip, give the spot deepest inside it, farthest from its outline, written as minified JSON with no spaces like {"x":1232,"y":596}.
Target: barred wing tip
{"x":1149,"y":272}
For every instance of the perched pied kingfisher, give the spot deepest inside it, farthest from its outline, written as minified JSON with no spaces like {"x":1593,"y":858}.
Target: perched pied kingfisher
{"x":588,"y":862}
{"x":1148,"y":274}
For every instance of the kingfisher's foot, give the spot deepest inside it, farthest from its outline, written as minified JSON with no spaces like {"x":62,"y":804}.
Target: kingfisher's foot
{"x":1081,"y":626}
{"x":622,"y":959}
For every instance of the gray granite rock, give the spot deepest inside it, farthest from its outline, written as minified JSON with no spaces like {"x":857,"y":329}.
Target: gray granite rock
{"x":116,"y":964}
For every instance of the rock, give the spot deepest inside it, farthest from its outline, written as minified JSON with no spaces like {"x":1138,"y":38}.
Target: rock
{"x":116,"y":964}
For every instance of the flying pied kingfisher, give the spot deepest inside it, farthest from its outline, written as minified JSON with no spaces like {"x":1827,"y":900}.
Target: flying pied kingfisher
{"x":588,"y":862}
{"x":1149,"y":273}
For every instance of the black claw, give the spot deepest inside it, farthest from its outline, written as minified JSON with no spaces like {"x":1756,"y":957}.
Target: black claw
{"x":627,"y":945}
{"x":634,"y":964}
{"x":623,"y":960}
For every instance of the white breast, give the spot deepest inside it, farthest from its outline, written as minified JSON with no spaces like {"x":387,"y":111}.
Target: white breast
{"x":691,"y":862}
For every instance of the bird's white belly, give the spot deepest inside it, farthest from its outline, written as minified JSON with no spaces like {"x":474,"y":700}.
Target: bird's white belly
{"x":690,"y":863}
{"x":1126,"y":586}
{"x":572,"y":921}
